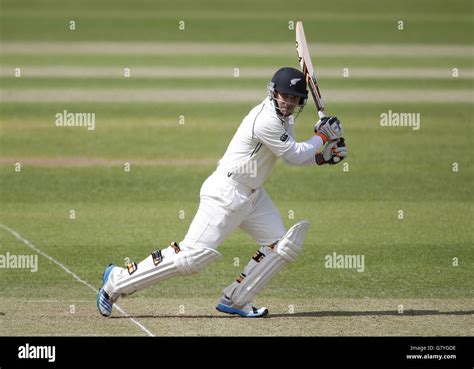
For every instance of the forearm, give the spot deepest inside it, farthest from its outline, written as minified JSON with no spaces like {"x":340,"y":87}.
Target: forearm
{"x":303,"y":153}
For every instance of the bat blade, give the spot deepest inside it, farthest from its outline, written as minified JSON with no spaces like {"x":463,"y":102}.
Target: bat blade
{"x":306,"y":64}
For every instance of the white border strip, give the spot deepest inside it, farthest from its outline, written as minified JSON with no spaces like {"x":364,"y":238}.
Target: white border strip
{"x":75,"y":276}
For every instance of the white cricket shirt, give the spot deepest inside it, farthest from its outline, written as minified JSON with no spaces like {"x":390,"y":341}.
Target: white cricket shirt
{"x":260,"y":140}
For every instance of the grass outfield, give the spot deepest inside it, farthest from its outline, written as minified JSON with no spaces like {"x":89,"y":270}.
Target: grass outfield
{"x":211,"y":21}
{"x":417,"y":271}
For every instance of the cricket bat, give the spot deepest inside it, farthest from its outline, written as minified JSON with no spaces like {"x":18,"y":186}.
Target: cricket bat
{"x":306,"y":64}
{"x":304,"y":59}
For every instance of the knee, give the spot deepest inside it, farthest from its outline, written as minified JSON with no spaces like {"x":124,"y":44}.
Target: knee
{"x":289,"y":247}
{"x":192,"y":261}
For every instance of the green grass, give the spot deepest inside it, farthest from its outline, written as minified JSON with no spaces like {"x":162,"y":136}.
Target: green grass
{"x":152,"y":131}
{"x":114,"y":218}
{"x":128,"y":214}
{"x":216,"y":21}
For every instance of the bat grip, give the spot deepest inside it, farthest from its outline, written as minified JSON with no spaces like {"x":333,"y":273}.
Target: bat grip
{"x":322,"y":114}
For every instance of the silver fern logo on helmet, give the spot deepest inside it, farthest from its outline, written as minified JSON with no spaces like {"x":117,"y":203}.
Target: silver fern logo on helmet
{"x":288,"y":81}
{"x":294,"y":81}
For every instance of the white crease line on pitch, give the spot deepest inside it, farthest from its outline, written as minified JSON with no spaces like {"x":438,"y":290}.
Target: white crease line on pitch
{"x":75,"y":276}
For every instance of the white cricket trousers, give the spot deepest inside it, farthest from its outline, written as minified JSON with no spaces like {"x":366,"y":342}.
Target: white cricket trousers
{"x":225,"y":205}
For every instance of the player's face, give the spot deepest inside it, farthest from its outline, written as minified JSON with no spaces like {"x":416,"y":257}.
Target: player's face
{"x":287,"y":103}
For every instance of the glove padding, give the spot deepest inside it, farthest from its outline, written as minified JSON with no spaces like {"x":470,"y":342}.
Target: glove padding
{"x":332,"y":153}
{"x":329,"y":129}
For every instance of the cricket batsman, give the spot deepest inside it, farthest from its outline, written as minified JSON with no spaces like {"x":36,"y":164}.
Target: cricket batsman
{"x":233,"y":197}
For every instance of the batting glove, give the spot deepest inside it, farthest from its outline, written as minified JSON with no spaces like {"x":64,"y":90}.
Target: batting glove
{"x":332,"y":153}
{"x":329,"y":129}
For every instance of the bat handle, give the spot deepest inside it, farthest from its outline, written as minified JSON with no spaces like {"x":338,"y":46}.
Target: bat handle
{"x":321,"y":114}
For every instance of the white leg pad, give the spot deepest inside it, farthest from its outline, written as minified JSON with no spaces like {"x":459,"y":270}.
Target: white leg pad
{"x":160,"y":265}
{"x":261,"y":269}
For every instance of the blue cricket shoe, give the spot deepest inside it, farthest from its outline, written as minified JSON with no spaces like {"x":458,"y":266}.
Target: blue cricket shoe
{"x":247,"y":311}
{"x":104,"y":303}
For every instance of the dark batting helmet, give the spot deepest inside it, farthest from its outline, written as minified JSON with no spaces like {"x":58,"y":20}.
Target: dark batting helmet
{"x":289,"y":81}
